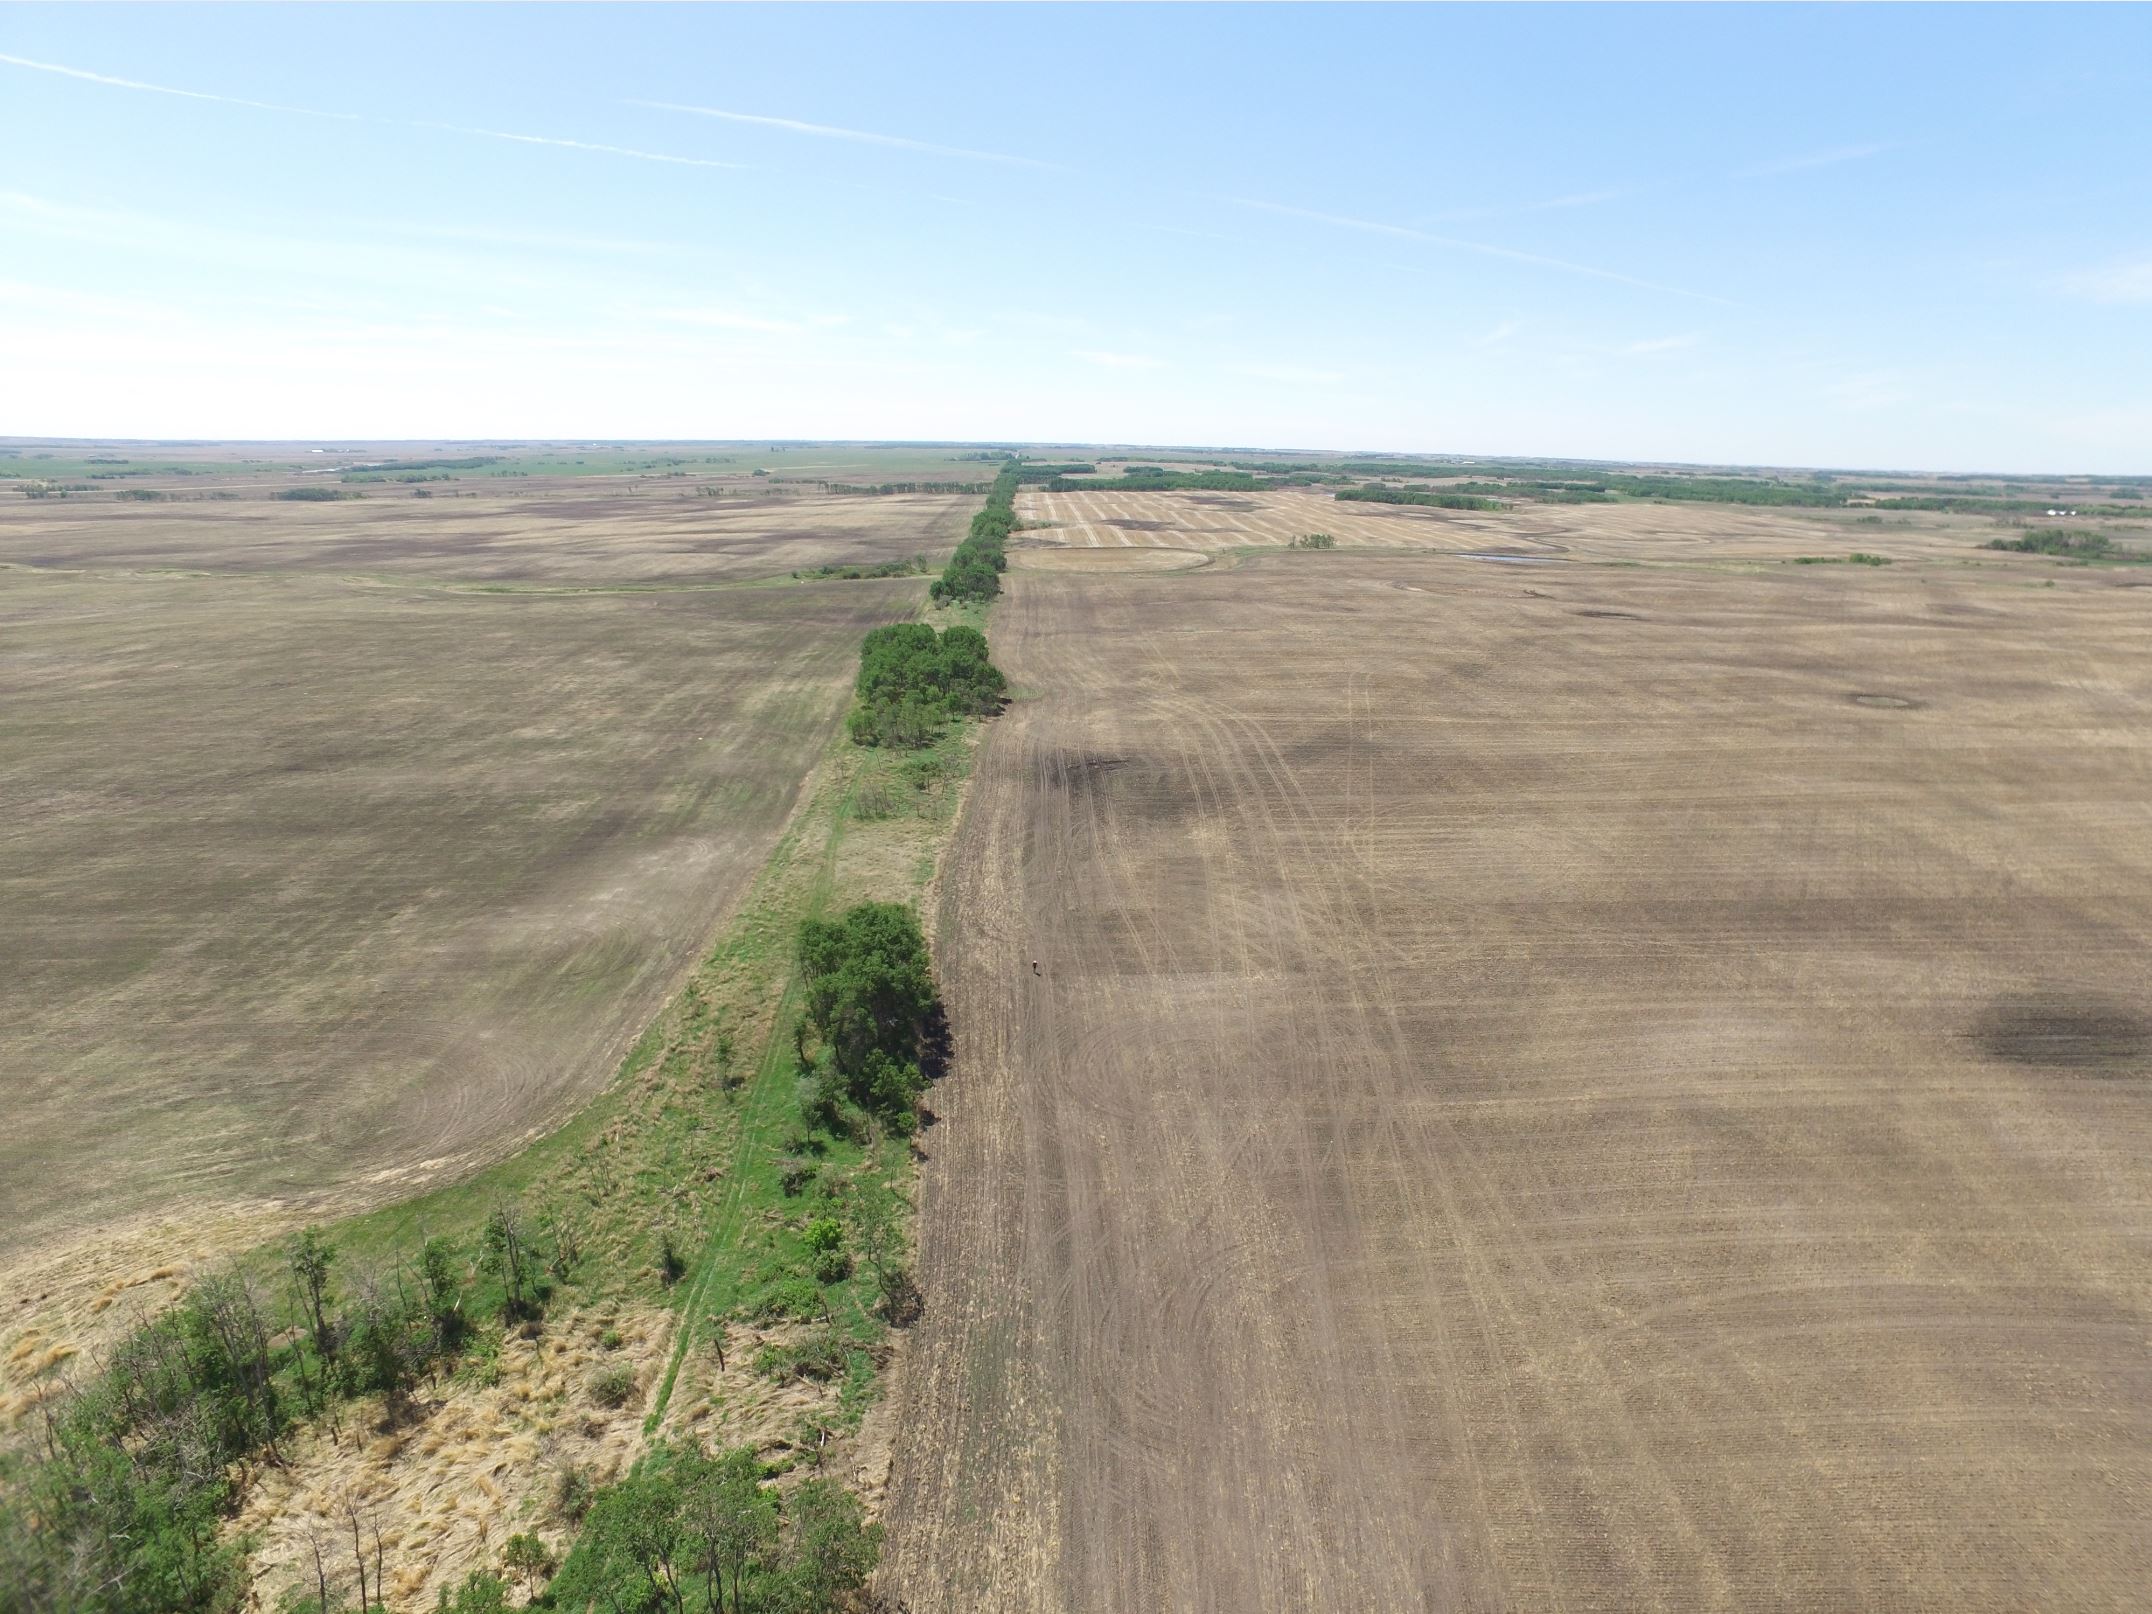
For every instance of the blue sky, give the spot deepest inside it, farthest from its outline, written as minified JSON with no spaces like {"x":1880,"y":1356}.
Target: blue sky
{"x":1879,"y":237}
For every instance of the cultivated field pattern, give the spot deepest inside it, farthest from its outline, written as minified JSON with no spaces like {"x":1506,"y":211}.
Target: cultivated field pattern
{"x":1549,"y":1087}
{"x":349,"y":843}
{"x":1204,"y":524}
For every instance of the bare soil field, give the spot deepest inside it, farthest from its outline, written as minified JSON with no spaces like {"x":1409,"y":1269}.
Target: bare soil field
{"x":347,"y":845}
{"x":1550,"y":1087}
{"x":1667,"y":532}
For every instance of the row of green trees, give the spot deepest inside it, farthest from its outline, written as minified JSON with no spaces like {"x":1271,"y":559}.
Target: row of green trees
{"x":855,"y":571}
{"x":901,"y":487}
{"x":974,"y":571}
{"x":2073,"y":543}
{"x":121,"y":1501}
{"x":1156,"y":479}
{"x":913,"y":682}
{"x":689,"y":1533}
{"x":1441,"y":501}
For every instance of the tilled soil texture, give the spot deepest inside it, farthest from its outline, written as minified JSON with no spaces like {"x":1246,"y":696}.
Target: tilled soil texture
{"x":344,"y":850}
{"x":1545,"y":1089}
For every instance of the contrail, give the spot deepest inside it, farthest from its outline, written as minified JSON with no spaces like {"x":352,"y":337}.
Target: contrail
{"x":166,"y":89}
{"x":831,"y":132}
{"x":1485,"y":248}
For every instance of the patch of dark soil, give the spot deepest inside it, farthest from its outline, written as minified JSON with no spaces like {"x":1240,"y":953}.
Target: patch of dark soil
{"x":1886,"y":703}
{"x":2058,"y":1031}
{"x":1131,"y":789}
{"x":1131,"y":525}
{"x":1215,"y":502}
{"x":1076,"y":773}
{"x":1619,"y":616}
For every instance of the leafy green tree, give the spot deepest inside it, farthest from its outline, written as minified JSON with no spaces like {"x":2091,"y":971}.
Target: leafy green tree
{"x":913,"y":681}
{"x":505,"y":1252}
{"x":870,"y":997}
{"x":527,"y":1560}
{"x":731,"y":1519}
{"x":311,"y":1258}
{"x":829,"y":1546}
{"x":443,"y":1281}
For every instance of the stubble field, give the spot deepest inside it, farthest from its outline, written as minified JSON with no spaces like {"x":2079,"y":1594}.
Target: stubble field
{"x":348,"y":844}
{"x":1549,"y":1085}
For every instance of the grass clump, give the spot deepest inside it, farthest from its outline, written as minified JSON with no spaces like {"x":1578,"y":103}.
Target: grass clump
{"x":613,"y":1384}
{"x":1858,"y":558}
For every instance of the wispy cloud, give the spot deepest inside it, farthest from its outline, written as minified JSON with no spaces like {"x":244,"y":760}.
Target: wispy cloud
{"x":113,"y":82}
{"x":828,"y":131}
{"x":1664,"y":344}
{"x":1196,"y":235}
{"x":1118,"y":361}
{"x":1578,"y":199}
{"x":1812,"y":159}
{"x":1294,"y":374}
{"x":67,"y":300}
{"x":2112,"y":283}
{"x":1511,"y":210}
{"x":166,"y":89}
{"x":1484,"y":248}
{"x":1868,"y":391}
{"x":724,"y":319}
{"x":1500,"y":333}
{"x":482,"y":235}
{"x":581,"y":145}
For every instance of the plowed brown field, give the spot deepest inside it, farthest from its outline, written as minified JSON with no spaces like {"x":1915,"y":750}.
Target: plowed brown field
{"x":1569,"y":1087}
{"x":347,"y":844}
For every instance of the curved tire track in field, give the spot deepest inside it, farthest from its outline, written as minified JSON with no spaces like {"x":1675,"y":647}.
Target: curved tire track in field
{"x":1497,"y":1128}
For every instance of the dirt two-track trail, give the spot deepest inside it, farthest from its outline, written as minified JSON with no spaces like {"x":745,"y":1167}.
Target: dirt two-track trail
{"x":1546,"y":1089}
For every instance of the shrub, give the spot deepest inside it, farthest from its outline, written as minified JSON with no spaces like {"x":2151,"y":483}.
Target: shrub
{"x":2074,"y":543}
{"x":480,"y":1593}
{"x":793,"y":1299}
{"x":825,"y":1247}
{"x":821,"y":1356}
{"x":672,"y":1259}
{"x":571,"y":1492}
